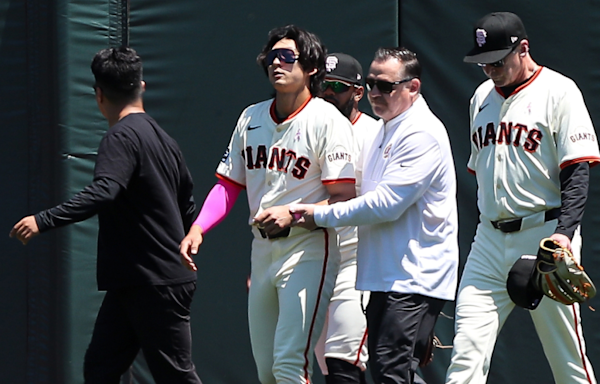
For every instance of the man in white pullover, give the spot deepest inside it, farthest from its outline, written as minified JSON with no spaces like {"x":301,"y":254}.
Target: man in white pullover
{"x":407,"y":218}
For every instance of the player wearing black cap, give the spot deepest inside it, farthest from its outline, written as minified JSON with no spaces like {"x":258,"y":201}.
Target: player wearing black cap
{"x":342,"y":350}
{"x":532,"y":143}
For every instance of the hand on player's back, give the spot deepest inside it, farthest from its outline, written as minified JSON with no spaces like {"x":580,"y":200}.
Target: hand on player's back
{"x":189,"y":247}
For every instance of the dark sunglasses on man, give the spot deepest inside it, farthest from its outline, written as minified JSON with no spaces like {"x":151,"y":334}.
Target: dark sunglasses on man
{"x":384,"y":86}
{"x":499,"y":63}
{"x":284,"y":55}
{"x":336,"y":86}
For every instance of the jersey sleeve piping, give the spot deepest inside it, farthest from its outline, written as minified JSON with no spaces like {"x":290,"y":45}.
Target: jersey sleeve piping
{"x":228,"y":180}
{"x":339,"y":181}
{"x":593,"y":160}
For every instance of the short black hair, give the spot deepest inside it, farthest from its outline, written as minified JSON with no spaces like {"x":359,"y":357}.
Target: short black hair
{"x":412,"y":67}
{"x":312,"y":52}
{"x":118,"y":73}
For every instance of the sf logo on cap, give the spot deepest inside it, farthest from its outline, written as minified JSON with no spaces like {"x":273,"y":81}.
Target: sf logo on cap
{"x":480,"y":35}
{"x":331,"y":63}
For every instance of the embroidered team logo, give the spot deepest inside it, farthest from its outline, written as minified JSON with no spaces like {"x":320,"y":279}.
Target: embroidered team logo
{"x":386,"y":151}
{"x":480,"y":36}
{"x":331,"y":63}
{"x":582,"y":134}
{"x":339,"y":154}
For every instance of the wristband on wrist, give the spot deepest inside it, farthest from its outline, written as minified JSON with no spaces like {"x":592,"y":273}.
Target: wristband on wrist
{"x":296,"y":215}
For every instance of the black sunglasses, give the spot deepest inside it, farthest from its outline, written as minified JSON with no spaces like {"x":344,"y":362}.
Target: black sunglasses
{"x":283,"y":54}
{"x":336,"y":86}
{"x":384,"y":86}
{"x":499,"y":63}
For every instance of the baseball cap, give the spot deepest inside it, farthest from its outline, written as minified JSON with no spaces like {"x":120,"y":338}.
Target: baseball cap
{"x":340,"y":66}
{"x":520,"y":283}
{"x":495,"y":36}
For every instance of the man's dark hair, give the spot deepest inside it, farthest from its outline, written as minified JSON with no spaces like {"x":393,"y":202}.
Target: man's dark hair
{"x":412,"y":67}
{"x":312,"y":52}
{"x":118,"y":73}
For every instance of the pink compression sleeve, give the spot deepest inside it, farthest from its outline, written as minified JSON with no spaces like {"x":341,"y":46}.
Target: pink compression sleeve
{"x":217,"y":205}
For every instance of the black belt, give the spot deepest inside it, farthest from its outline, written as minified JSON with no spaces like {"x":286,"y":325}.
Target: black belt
{"x":515,"y":225}
{"x":283,"y":233}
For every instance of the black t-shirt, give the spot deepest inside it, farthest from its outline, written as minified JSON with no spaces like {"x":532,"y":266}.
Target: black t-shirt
{"x":143,"y":219}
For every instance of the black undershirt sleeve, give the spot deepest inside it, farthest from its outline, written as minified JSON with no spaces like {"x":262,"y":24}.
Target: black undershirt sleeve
{"x":574,"y":183}
{"x":83,"y":205}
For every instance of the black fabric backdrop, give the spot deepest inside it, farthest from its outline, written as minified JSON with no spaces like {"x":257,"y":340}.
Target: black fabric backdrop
{"x":200,"y":69}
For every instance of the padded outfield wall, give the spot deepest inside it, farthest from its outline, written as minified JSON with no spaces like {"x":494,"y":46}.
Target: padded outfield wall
{"x":200,"y":69}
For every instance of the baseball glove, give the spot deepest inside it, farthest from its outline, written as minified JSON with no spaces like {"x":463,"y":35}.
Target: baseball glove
{"x":560,"y":277}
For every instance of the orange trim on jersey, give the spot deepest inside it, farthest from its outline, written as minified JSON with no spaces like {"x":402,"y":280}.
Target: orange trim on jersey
{"x":356,"y":118}
{"x":580,"y":343}
{"x":228,"y":180}
{"x":472,"y":172}
{"x":338,"y":181}
{"x":593,"y":160}
{"x":307,"y":350}
{"x":297,"y":111}
{"x":522,"y":86}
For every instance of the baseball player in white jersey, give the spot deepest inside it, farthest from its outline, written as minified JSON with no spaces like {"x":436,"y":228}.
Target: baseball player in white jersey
{"x":532,"y":143}
{"x":292,"y":148}
{"x":342,"y":350}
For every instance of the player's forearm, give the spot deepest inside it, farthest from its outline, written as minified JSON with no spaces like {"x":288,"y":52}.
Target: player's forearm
{"x":574,"y":183}
{"x":82,"y":206}
{"x":380,"y":205}
{"x":218,"y":204}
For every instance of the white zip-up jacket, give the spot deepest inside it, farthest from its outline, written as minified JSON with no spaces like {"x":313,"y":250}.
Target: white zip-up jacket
{"x":407,"y":215}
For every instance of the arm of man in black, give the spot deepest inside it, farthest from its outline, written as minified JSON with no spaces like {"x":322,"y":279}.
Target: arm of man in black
{"x":574,"y":183}
{"x":187,"y":205}
{"x":83,"y":205}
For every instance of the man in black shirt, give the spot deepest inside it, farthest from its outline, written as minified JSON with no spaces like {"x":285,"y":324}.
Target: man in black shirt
{"x":142,"y":193}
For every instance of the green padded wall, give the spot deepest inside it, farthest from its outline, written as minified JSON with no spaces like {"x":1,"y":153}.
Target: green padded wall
{"x":200,"y":70}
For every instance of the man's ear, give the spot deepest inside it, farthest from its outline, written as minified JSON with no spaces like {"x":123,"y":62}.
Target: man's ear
{"x":312,"y":72}
{"x":415,"y":85}
{"x":359,"y":92}
{"x":99,"y":95}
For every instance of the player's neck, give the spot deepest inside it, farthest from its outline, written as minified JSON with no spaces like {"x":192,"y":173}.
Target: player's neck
{"x":116,"y":113}
{"x":288,"y":103}
{"x":353,"y":115}
{"x":529,"y":69}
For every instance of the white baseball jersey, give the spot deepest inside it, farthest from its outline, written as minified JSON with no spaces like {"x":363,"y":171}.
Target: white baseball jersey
{"x":290,"y":162}
{"x":292,"y":277}
{"x":520,"y":144}
{"x":365,"y":128}
{"x":344,"y":334}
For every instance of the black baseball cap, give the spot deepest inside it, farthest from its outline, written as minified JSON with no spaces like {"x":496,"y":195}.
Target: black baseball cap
{"x":521,"y":285}
{"x":340,"y":66}
{"x":495,"y":36}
